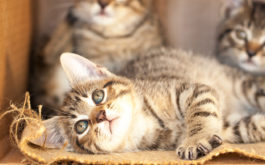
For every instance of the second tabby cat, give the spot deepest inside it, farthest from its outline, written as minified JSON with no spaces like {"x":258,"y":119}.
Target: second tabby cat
{"x":108,"y":32}
{"x":169,"y":100}
{"x":241,"y":41}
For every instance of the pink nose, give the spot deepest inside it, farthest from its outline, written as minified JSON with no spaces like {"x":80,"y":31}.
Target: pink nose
{"x":101,"y":116}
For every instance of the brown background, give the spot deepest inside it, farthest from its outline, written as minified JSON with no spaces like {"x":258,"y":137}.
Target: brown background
{"x":15,"y":37}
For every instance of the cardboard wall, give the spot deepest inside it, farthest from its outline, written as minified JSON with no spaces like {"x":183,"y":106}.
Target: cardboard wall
{"x":15,"y":37}
{"x":192,"y":24}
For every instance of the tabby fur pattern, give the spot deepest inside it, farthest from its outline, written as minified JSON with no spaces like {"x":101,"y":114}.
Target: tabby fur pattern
{"x":167,"y":99}
{"x":108,"y":32}
{"x":241,"y":36}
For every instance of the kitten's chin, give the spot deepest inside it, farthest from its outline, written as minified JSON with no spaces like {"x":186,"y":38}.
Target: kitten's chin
{"x":103,"y":20}
{"x":252,"y":67}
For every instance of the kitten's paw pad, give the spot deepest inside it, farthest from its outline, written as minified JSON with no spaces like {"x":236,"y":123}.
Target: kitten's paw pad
{"x":202,"y":147}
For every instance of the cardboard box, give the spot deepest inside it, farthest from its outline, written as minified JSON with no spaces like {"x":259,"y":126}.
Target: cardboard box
{"x":15,"y":37}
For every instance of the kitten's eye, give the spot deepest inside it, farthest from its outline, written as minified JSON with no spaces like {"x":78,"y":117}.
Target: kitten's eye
{"x":81,"y":126}
{"x":241,"y":34}
{"x":98,"y":96}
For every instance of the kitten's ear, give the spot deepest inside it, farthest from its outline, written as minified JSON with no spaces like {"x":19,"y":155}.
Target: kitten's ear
{"x":233,"y":7}
{"x":80,"y":70}
{"x":53,"y":136}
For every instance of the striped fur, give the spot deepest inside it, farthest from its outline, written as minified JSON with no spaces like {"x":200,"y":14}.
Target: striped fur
{"x":241,"y":36}
{"x":110,"y":36}
{"x":170,"y":99}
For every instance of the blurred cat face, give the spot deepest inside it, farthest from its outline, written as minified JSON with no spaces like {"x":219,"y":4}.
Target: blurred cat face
{"x":242,"y":39}
{"x":112,"y":17}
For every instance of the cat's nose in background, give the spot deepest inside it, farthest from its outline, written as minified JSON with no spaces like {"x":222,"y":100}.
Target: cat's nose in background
{"x":253,"y":48}
{"x":101,"y":116}
{"x":251,"y":54}
{"x":103,"y":3}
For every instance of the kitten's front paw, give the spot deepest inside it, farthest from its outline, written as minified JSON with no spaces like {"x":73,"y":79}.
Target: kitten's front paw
{"x":191,"y":150}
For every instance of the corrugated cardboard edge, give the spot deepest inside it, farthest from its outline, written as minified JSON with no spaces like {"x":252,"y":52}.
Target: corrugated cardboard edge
{"x":47,"y":156}
{"x":75,"y":158}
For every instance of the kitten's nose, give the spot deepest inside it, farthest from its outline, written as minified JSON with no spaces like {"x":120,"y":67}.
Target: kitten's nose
{"x":103,"y":3}
{"x":101,"y":116}
{"x":251,"y":54}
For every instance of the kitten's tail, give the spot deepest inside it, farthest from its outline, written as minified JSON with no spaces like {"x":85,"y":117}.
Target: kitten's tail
{"x":248,"y":130}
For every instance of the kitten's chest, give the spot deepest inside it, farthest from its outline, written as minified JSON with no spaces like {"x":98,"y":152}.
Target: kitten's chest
{"x":93,"y":44}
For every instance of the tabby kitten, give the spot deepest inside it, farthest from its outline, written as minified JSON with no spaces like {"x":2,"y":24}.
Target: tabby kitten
{"x":241,"y":40}
{"x":171,"y":99}
{"x":109,"y":32}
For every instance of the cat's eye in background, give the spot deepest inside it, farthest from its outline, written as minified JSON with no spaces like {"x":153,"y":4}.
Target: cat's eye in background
{"x":81,"y":126}
{"x":98,"y":96}
{"x":241,"y":34}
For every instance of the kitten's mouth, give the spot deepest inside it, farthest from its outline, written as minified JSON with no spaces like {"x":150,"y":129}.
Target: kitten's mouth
{"x":103,"y":13}
{"x":249,"y":62}
{"x":110,"y":123}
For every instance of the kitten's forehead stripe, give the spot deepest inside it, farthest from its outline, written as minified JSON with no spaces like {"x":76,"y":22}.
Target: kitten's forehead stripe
{"x":122,"y":93}
{"x":252,"y":16}
{"x":222,"y":35}
{"x":110,"y":83}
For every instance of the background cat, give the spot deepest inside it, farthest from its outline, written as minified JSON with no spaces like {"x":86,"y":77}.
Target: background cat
{"x":109,"y":32}
{"x":171,"y":100}
{"x":241,"y":38}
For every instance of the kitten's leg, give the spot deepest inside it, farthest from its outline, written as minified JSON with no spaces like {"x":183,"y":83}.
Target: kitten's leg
{"x":248,"y":130}
{"x":200,"y":107}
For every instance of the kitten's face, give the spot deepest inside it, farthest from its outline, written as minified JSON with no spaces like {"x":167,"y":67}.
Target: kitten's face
{"x":102,"y":115}
{"x":112,"y":18}
{"x":97,"y":113}
{"x":242,"y":38}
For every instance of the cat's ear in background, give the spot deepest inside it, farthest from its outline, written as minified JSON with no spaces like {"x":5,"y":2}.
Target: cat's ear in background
{"x":80,"y":70}
{"x":53,"y":136}
{"x":232,"y":7}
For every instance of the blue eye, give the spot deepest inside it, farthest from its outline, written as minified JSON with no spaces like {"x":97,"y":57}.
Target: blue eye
{"x":81,"y":126}
{"x":98,"y":96}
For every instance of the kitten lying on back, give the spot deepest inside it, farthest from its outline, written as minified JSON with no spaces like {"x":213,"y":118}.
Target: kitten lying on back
{"x":170,"y":100}
{"x":241,"y":41}
{"x":109,"y":32}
